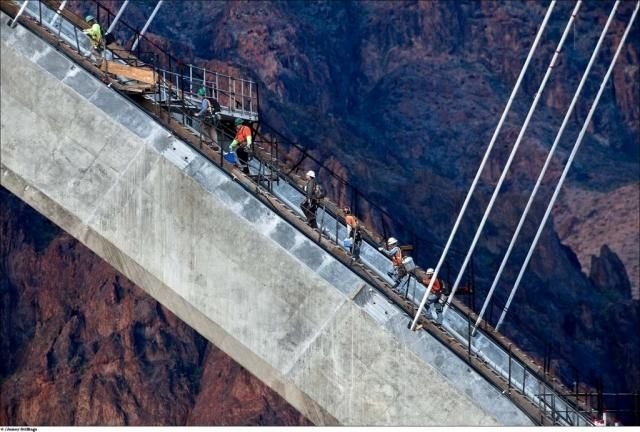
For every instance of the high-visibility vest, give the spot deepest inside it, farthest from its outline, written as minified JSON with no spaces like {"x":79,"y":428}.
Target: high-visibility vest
{"x":436,"y":288}
{"x":243,"y":133}
{"x":397,"y":258}
{"x":95,"y":34}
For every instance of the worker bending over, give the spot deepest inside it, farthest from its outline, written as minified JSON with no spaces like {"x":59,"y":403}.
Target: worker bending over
{"x":243,"y":141}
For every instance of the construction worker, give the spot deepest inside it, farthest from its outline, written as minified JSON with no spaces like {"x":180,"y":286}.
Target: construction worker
{"x":94,"y":33}
{"x":206,"y":113}
{"x":210,"y":106}
{"x":205,"y":106}
{"x":353,"y":232}
{"x":312,"y":194}
{"x":243,"y":141}
{"x":434,"y":295}
{"x":393,"y":251}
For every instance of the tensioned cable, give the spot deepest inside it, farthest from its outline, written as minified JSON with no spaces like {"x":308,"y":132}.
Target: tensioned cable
{"x":576,"y":96}
{"x":568,"y":165}
{"x":147,"y":24}
{"x":512,"y":155}
{"x":484,"y":161}
{"x":118,"y":15}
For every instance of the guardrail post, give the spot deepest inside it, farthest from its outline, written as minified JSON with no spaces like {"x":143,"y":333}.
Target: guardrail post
{"x":75,"y":32}
{"x":251,"y":96}
{"x":242,"y":96}
{"x":509,"y":367}
{"x":469,"y":337}
{"x":184,"y":106}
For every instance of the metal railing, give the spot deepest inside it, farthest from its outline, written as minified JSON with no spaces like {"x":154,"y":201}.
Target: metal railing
{"x":237,"y":96}
{"x":532,"y":383}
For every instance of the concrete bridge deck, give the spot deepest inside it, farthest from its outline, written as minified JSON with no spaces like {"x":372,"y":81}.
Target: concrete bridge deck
{"x":182,"y":230}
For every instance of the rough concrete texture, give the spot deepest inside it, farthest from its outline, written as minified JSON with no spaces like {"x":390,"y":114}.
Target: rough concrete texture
{"x":200,"y":244}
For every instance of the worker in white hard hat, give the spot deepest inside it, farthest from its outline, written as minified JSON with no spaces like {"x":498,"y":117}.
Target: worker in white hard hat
{"x":313,"y":193}
{"x":393,"y":251}
{"x":434,"y":296}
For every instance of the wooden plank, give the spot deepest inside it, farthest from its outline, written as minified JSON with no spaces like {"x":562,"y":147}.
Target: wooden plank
{"x":144,"y":75}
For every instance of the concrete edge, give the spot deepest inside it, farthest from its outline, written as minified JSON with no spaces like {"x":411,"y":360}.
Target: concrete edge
{"x":167,"y":297}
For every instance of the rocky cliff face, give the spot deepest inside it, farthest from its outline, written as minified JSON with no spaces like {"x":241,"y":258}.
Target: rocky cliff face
{"x":81,"y":345}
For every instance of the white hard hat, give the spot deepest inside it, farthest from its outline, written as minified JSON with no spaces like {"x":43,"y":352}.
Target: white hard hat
{"x":430,"y":271}
{"x":311,"y":174}
{"x":392,"y":241}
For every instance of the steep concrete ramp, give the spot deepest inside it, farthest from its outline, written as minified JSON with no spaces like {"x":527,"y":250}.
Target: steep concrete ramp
{"x":200,"y":244}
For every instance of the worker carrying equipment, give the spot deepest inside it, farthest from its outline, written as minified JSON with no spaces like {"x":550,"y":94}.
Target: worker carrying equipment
{"x":313,"y":194}
{"x":242,"y":140}
{"x":434,"y":296}
{"x":393,"y":251}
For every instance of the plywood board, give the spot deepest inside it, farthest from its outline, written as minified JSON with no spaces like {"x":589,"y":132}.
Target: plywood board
{"x":144,"y":75}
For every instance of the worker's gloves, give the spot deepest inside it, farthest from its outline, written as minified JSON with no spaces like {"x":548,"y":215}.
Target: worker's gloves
{"x":381,"y":249}
{"x":232,"y":147}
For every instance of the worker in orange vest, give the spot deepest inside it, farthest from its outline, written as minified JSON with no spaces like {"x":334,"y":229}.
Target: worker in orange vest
{"x":242,"y":140}
{"x":393,"y":251}
{"x":353,"y":232}
{"x":434,"y":295}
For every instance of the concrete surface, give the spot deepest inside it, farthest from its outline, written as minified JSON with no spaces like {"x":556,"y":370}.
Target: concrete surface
{"x":204,"y":247}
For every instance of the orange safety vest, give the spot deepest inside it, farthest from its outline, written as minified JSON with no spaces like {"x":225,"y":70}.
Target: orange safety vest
{"x":350,"y":220}
{"x":436,"y":289}
{"x":243,"y":133}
